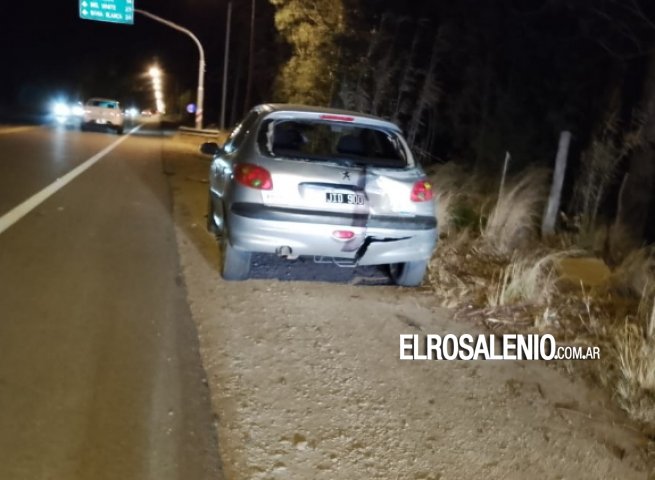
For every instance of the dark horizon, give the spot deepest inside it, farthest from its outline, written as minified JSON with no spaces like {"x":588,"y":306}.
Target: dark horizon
{"x":50,"y":52}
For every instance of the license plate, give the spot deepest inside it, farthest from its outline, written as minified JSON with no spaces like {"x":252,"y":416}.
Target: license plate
{"x":347,"y":198}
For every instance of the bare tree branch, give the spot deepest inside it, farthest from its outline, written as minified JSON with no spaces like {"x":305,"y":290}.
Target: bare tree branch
{"x":623,"y":28}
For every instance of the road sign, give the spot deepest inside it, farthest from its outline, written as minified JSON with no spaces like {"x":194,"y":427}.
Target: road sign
{"x":114,"y":11}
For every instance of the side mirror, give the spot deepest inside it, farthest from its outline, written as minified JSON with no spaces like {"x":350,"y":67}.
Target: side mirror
{"x":210,"y":148}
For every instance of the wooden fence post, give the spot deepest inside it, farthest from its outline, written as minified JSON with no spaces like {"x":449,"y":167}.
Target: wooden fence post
{"x":552,"y":208}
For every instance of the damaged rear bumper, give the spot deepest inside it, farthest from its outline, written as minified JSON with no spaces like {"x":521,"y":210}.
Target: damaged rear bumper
{"x":377,"y":239}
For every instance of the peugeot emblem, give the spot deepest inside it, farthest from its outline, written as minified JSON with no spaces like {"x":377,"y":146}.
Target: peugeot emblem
{"x":346,"y":176}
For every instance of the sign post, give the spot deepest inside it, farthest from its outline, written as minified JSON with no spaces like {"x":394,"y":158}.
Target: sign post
{"x":114,"y":11}
{"x":201,"y":63}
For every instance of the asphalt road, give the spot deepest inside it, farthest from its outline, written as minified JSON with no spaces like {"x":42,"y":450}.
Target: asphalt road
{"x":100,"y":376}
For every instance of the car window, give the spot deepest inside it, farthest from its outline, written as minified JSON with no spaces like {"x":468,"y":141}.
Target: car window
{"x":239,"y":133}
{"x":102,"y":103}
{"x":316,"y":140}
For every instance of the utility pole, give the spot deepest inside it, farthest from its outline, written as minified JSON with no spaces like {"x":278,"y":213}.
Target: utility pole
{"x":226,"y":63}
{"x":251,"y":57}
{"x":200,"y":98}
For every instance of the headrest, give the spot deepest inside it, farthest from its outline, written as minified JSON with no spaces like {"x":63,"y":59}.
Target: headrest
{"x":351,"y":145}
{"x":287,"y":139}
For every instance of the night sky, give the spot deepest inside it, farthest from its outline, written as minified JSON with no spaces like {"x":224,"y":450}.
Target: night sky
{"x":48,"y":51}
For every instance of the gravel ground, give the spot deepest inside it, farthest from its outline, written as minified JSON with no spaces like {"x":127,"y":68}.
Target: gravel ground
{"x":306,"y":382}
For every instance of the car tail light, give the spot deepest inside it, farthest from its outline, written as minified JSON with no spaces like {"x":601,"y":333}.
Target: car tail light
{"x":422,"y":191}
{"x":253,"y":176}
{"x":337,"y":118}
{"x":343,"y":234}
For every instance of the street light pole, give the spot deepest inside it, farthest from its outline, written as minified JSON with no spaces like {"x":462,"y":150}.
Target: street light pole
{"x":200,"y":98}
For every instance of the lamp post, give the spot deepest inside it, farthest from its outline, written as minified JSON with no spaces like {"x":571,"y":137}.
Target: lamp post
{"x":200,"y":98}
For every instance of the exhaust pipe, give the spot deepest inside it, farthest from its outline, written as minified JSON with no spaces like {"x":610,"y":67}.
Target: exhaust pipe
{"x":285,"y":252}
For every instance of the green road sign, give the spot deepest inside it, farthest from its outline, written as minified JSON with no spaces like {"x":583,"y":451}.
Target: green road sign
{"x":115,"y":11}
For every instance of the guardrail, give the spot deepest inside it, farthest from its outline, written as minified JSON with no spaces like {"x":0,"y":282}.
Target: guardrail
{"x":197,"y":131}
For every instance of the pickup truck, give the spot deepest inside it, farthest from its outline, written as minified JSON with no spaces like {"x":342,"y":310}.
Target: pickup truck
{"x":103,"y":111}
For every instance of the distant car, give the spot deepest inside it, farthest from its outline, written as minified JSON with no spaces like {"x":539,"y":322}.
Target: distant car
{"x":295,"y":180}
{"x":67,"y":114}
{"x":103,"y":112}
{"x":131,"y":113}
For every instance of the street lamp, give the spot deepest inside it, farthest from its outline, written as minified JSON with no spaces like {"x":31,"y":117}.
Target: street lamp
{"x":201,"y":64}
{"x":156,"y":74}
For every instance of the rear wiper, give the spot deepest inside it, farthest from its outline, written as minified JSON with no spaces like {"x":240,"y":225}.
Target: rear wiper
{"x":346,"y":162}
{"x":337,"y":161}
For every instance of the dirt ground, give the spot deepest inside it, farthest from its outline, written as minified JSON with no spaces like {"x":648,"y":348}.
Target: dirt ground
{"x":306,"y":381}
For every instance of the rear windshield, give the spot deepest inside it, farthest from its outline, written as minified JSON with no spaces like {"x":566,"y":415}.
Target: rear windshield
{"x":325,"y":141}
{"x":102,"y":103}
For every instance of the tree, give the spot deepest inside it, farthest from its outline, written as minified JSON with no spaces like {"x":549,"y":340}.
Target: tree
{"x":311,"y":28}
{"x":426,"y":101}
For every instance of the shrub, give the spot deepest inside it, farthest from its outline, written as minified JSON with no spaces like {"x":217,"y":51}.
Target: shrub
{"x":513,"y":221}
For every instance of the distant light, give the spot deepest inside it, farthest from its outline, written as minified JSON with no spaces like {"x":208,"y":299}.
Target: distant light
{"x":60,"y":109}
{"x":156,"y":74}
{"x":191,"y":108}
{"x":77,"y":110}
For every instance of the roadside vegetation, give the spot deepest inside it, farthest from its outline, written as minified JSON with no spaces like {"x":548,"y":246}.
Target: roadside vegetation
{"x":492,"y":266}
{"x":472,"y":84}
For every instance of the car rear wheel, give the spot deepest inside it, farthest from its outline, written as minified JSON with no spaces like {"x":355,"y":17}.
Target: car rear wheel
{"x":236,"y":263}
{"x":408,"y":274}
{"x":119,"y":130}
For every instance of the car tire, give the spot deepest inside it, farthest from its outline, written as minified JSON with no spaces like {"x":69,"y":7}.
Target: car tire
{"x":236,"y":263}
{"x":119,"y":130}
{"x":84,"y":127}
{"x":408,"y":274}
{"x":211,"y":223}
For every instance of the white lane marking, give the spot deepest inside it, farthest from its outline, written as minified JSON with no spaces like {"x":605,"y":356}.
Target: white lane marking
{"x":4,"y":130}
{"x":18,"y":212}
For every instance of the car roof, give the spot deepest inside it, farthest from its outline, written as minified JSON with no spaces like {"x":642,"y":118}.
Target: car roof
{"x":307,"y":109}
{"x":100,"y":99}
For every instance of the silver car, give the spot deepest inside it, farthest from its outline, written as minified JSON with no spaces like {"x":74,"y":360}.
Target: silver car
{"x":295,"y":180}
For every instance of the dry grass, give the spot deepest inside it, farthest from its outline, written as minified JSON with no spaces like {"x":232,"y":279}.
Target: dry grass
{"x":531,"y":279}
{"x":620,"y":319}
{"x":524,"y":294}
{"x":635,"y":388}
{"x":459,"y":197}
{"x":444,"y":203}
{"x":513,"y":221}
{"x":451,"y":283}
{"x":635,"y":274}
{"x":493,"y":275}
{"x":633,"y":341}
{"x":446,"y":179}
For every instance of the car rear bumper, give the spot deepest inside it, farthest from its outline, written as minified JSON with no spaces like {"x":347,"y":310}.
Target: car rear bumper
{"x":104,"y":122}
{"x":376,"y":240}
